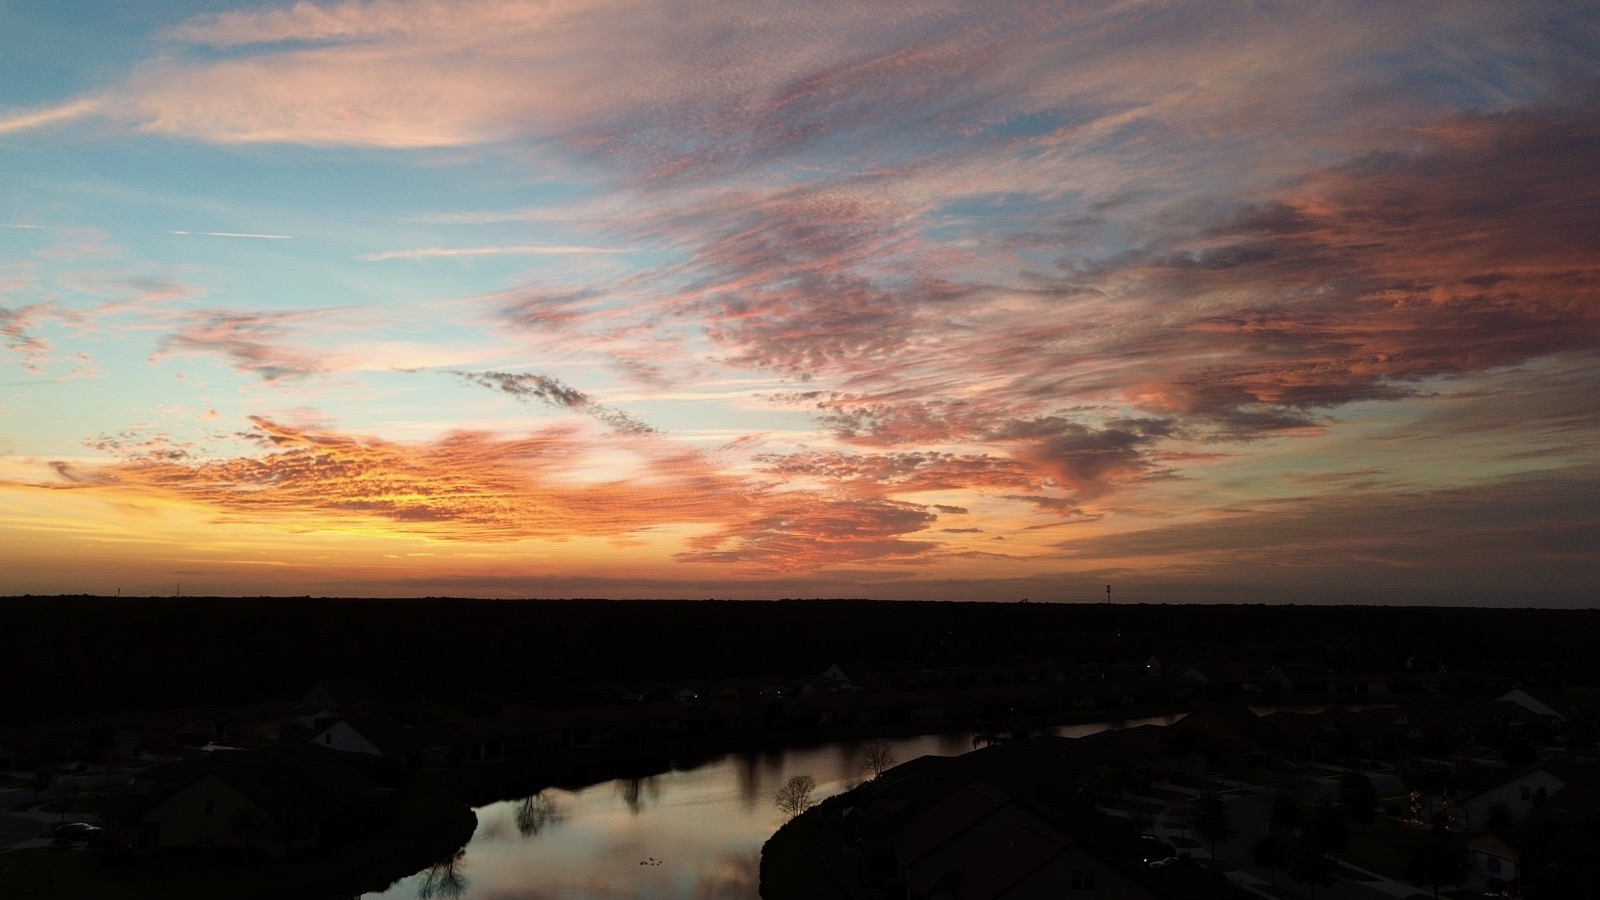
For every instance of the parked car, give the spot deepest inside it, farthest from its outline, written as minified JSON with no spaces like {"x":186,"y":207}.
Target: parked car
{"x":1181,"y":861}
{"x":1154,"y":849}
{"x":77,"y":831}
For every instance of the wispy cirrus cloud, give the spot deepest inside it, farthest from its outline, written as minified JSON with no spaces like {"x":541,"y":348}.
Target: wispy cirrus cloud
{"x":1521,"y":524}
{"x":551,"y":392}
{"x":799,"y":532}
{"x":464,"y":486}
{"x":1064,"y":269}
{"x":470,"y":486}
{"x":1383,"y":272}
{"x":514,"y":250}
{"x":17,"y":327}
{"x":237,"y":234}
{"x":52,"y":115}
{"x":255,"y":343}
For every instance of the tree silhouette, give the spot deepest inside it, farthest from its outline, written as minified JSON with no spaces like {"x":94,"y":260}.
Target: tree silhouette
{"x":1358,"y":797}
{"x":1310,"y":865}
{"x":292,"y":828}
{"x":245,"y":823}
{"x":1287,"y":814}
{"x":1326,"y":827}
{"x":1208,"y":816}
{"x":1435,"y":863}
{"x":1274,"y":852}
{"x":535,"y":813}
{"x":796,"y":795}
{"x":877,"y":757}
{"x":634,"y":791}
{"x":41,"y":781}
{"x":445,"y":878}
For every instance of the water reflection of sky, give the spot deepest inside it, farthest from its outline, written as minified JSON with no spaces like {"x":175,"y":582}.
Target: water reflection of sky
{"x":693,"y":833}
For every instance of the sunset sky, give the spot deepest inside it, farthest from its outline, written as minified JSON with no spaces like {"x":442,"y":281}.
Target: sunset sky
{"x":1274,"y":301}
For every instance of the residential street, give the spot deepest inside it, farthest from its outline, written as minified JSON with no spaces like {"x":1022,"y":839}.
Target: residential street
{"x":1250,"y":807}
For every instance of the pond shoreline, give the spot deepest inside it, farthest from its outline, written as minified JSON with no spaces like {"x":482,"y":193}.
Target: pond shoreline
{"x":574,"y":769}
{"x":435,"y":818}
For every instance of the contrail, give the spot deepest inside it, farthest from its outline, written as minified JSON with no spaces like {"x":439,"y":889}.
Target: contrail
{"x":237,"y":234}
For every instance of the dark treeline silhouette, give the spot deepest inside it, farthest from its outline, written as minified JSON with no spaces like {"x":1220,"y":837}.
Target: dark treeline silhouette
{"x":83,"y":655}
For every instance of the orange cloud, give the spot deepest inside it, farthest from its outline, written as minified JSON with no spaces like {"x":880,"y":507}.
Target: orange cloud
{"x":805,"y":532}
{"x":465,"y":486}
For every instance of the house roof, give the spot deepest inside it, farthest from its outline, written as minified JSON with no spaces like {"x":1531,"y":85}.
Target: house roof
{"x":1575,"y":804}
{"x":1006,"y":860}
{"x":1227,"y":721}
{"x":382,"y":731}
{"x":955,"y":814}
{"x":1297,"y":728}
{"x":1493,"y":846}
{"x":280,"y":778}
{"x":347,"y":693}
{"x":1555,"y":701}
{"x":1472,"y":780}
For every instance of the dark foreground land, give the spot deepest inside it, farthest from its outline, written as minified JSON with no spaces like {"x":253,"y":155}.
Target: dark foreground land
{"x":473,"y":701}
{"x":73,"y":655}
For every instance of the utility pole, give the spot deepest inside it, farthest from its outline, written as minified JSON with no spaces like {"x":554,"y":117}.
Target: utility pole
{"x":1108,"y":593}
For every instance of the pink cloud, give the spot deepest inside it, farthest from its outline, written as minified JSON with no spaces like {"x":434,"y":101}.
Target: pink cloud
{"x":257,"y":344}
{"x":17,"y":327}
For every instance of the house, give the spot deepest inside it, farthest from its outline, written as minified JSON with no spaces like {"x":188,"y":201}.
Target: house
{"x":155,"y":733}
{"x":1299,"y":678}
{"x":1302,"y":737}
{"x":839,"y":680}
{"x":1492,"y":858}
{"x":1539,"y":703}
{"x":1234,"y":738}
{"x":338,"y":695}
{"x":1226,"y":679}
{"x":370,"y":733}
{"x":27,"y":745}
{"x":1137,"y":755}
{"x":588,"y":728}
{"x":277,"y":801}
{"x":265,"y":720}
{"x":981,"y":843}
{"x":1481,"y":788}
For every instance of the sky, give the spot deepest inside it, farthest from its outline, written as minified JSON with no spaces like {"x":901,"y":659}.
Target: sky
{"x":1206,"y":301}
